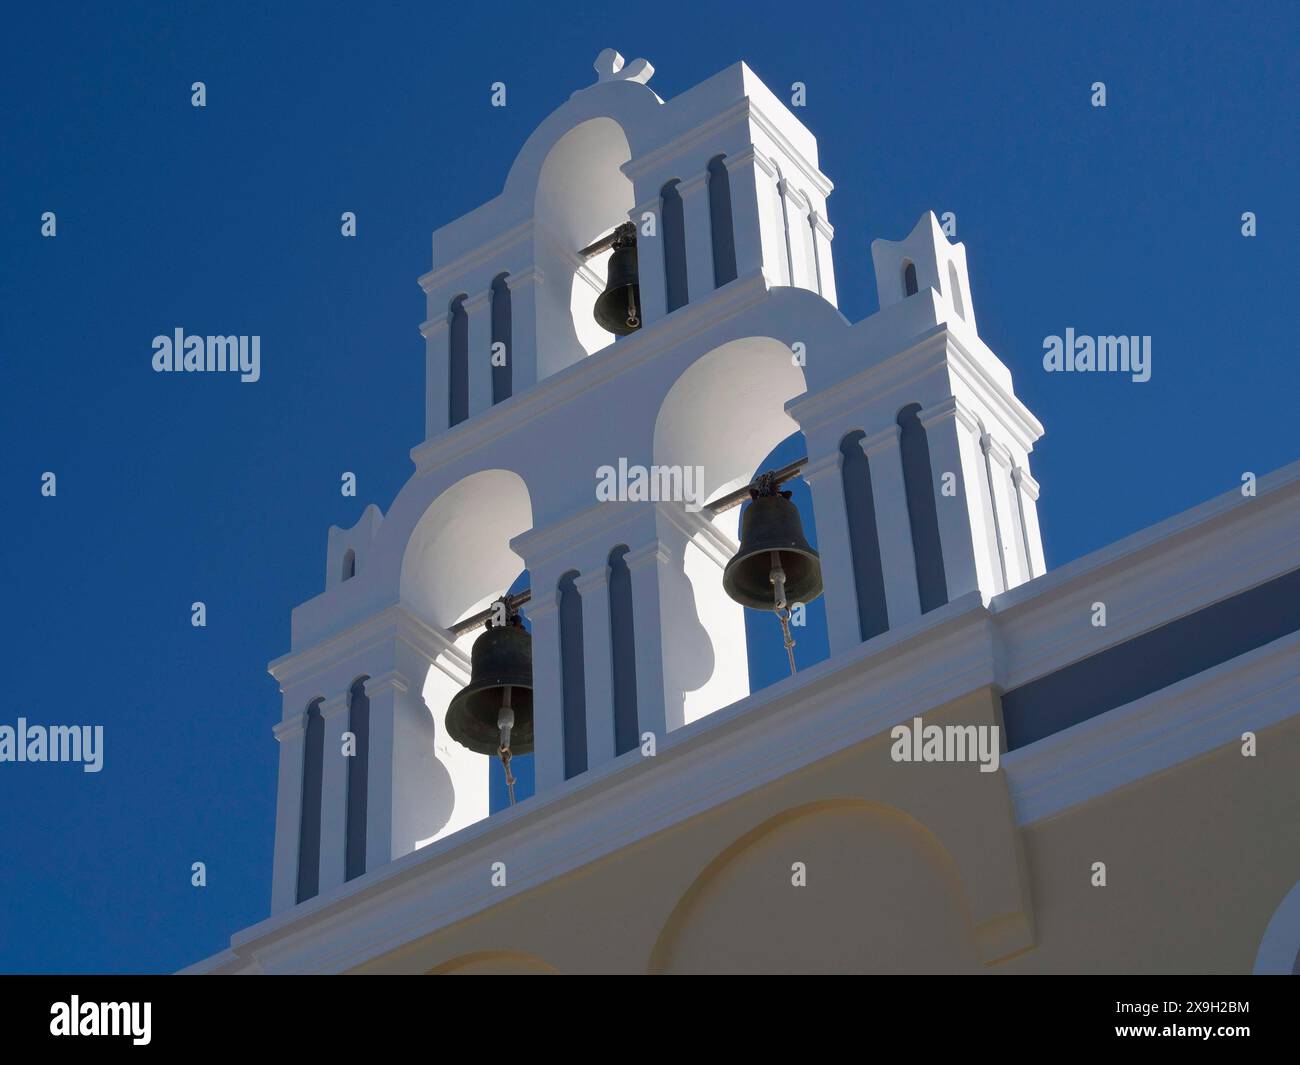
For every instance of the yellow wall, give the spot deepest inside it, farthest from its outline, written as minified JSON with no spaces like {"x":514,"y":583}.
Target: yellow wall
{"x":919,"y":868}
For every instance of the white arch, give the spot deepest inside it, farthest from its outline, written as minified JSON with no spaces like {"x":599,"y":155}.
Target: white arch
{"x":582,"y":193}
{"x":458,"y":556}
{"x":725,"y":413}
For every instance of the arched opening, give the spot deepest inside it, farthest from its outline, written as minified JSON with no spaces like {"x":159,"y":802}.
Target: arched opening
{"x":349,"y":564}
{"x":313,"y":761}
{"x":622,"y":641}
{"x":582,"y":194}
{"x":909,"y":278}
{"x":918,"y":482}
{"x":458,"y":560}
{"x":954,"y":286}
{"x":721,"y":223}
{"x":864,"y":537}
{"x":354,"y":860}
{"x":673,"y":225}
{"x":502,"y":326}
{"x":457,"y":361}
{"x":723,"y":417}
{"x":573,"y":690}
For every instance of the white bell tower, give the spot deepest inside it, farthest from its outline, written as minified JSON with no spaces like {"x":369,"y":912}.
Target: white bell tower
{"x":917,"y":458}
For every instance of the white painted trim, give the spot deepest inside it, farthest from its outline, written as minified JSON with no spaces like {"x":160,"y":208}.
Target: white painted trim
{"x":1177,"y":723}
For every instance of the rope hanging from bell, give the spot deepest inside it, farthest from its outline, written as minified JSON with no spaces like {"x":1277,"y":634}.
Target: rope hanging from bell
{"x":505,"y":722}
{"x":775,"y":564}
{"x":493,"y":714}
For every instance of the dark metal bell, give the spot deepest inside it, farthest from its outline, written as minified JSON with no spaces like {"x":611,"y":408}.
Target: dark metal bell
{"x":771,"y":523}
{"x":618,"y":308}
{"x":501,"y":659}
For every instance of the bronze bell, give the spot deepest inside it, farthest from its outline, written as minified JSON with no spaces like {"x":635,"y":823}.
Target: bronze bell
{"x":495,"y":708}
{"x":618,"y":308}
{"x":772,"y":543}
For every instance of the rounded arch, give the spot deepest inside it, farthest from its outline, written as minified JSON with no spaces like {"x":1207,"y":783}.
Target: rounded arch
{"x":1279,"y":949}
{"x":726,"y":412}
{"x":458,"y":555}
{"x":909,"y":278}
{"x":720,"y":419}
{"x":349,"y":564}
{"x":455,"y":561}
{"x":879,"y":892}
{"x":581,"y":194}
{"x":633,"y":107}
{"x":495,"y":963}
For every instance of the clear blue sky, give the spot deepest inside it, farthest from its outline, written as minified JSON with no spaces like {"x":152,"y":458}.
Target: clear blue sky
{"x":226,"y":220}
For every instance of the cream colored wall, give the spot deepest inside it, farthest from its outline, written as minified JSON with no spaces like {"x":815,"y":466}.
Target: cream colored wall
{"x":1197,"y":859}
{"x":919,"y":868}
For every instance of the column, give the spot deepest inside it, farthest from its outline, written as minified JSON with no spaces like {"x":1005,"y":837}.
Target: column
{"x":823,"y":234}
{"x":650,"y":260}
{"x":889,"y":494}
{"x":291,"y":735}
{"x":699,"y":236}
{"x":1010,"y":533}
{"x":408,"y":799}
{"x":1027,"y":497}
{"x":825,"y":480}
{"x":479,"y":310}
{"x":755,"y":211}
{"x":436,"y":382}
{"x":801,"y":258}
{"x":334,"y":793}
{"x":951,"y":436}
{"x":597,"y":661}
{"x":523,"y":328}
{"x":543,"y":614}
{"x":643,"y":564}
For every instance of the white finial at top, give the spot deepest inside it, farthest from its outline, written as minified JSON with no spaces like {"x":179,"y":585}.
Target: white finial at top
{"x":609,"y":67}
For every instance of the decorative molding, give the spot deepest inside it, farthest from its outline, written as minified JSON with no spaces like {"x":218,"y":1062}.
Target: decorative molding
{"x":335,"y":704}
{"x":394,"y":679}
{"x":291,"y":727}
{"x":439,"y":278}
{"x":1175,"y":724}
{"x":876,"y":443}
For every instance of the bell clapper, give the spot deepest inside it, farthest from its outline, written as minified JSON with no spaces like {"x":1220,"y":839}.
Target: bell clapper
{"x":505,"y":722}
{"x":781,"y":608}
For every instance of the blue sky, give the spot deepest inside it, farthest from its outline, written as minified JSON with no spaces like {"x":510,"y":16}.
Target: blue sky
{"x":176,"y":488}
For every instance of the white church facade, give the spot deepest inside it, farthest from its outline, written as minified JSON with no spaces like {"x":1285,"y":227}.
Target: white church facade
{"x":1138,"y":810}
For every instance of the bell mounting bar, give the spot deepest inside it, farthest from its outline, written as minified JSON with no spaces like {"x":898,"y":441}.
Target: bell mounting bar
{"x":734,"y":499}
{"x":621,"y":232}
{"x":477,"y":621}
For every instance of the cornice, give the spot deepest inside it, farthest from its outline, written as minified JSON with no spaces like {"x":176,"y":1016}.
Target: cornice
{"x":393,"y":622}
{"x":589,"y":373}
{"x":439,"y":278}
